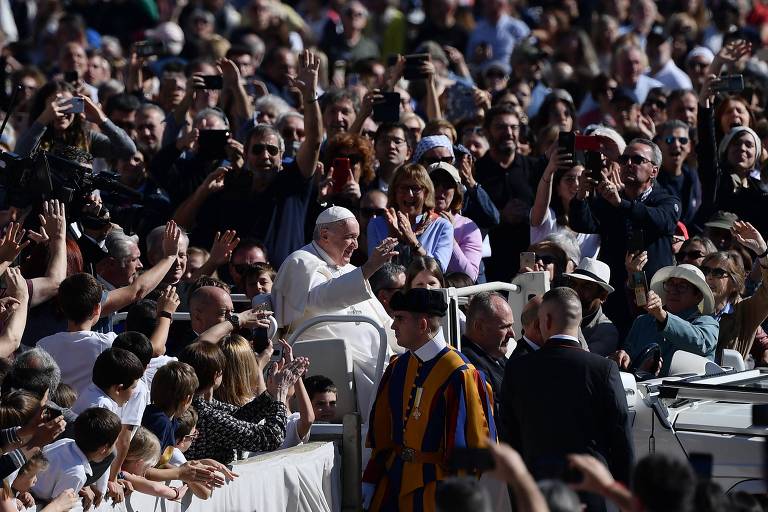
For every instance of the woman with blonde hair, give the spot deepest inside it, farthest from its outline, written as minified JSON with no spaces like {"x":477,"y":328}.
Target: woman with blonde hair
{"x":242,"y":379}
{"x":411,"y":218}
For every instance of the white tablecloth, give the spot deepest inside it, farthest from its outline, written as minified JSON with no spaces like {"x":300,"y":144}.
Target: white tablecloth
{"x":305,"y":478}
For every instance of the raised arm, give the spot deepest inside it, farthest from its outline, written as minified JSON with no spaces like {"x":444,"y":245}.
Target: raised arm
{"x":13,"y":311}
{"x":309,"y":151}
{"x":241,"y":106}
{"x":167,"y":304}
{"x":148,"y":281}
{"x":54,"y":221}
{"x":558,"y":160}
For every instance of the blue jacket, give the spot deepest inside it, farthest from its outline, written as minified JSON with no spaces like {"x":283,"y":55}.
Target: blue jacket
{"x":690,"y":332}
{"x":688,"y":192}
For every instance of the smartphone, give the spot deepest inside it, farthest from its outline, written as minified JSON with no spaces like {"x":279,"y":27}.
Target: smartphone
{"x":527,"y":259}
{"x":212,"y":144}
{"x":76,"y":105}
{"x":567,"y":142}
{"x":387,"y":111}
{"x":471,"y":459}
{"x":149,"y":48}
{"x":593,"y":163}
{"x":71,"y":76}
{"x":413,"y":65}
{"x":636,"y":241}
{"x":701,"y":464}
{"x":729,"y":83}
{"x":212,"y":82}
{"x":640,"y":288}
{"x":50,"y":413}
{"x":586,"y":143}
{"x":340,"y":176}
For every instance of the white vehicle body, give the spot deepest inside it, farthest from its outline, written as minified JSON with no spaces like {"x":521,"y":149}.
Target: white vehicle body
{"x":705,"y":414}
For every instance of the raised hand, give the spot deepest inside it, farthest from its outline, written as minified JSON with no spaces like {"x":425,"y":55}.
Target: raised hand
{"x":230,"y":73}
{"x":383,"y":252}
{"x":168,"y":301}
{"x":254,"y":318}
{"x":171,"y":239}
{"x":393,"y":223}
{"x":11,"y":242}
{"x":16,"y":285}
{"x":610,"y":192}
{"x":214,"y":182}
{"x":622,"y":359}
{"x":734,"y":51}
{"x":92,"y":111}
{"x":635,"y":261}
{"x":223,"y":245}
{"x":54,"y":218}
{"x":306,"y":79}
{"x":746,"y":234}
{"x":655,"y":307}
{"x":53,"y":110}
{"x":63,"y":502}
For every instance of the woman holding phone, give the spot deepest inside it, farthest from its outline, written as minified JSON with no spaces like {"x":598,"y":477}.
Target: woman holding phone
{"x":411,"y":218}
{"x":349,"y":170}
{"x":59,"y":113}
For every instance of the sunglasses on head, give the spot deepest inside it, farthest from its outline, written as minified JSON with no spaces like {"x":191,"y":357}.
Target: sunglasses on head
{"x":671,"y":140}
{"x":258,"y":149}
{"x":717,"y":273}
{"x":634,"y":159}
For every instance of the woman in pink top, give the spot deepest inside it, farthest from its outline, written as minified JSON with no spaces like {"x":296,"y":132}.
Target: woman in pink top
{"x":467,"y":239}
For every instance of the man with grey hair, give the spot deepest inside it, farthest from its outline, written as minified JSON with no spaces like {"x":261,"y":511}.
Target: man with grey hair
{"x":386,"y":281}
{"x":490,"y":326}
{"x":642,"y":212}
{"x":150,"y":123}
{"x":318,"y":279}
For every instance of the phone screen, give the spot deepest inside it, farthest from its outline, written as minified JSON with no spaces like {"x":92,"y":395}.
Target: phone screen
{"x":640,"y":288}
{"x":636,"y":241}
{"x":388,"y":110}
{"x":341,"y":169}
{"x":567,"y":142}
{"x":527,"y":259}
{"x":213,"y":82}
{"x":212,"y":144}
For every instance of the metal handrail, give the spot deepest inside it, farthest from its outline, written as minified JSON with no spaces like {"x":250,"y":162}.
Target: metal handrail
{"x":383,"y":343}
{"x":494,"y":286}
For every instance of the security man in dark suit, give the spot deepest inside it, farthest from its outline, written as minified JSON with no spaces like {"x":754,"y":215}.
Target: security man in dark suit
{"x":531,"y":340}
{"x":561,"y":400}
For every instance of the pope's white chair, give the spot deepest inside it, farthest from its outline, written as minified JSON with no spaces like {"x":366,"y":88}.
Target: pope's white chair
{"x":685,"y":363}
{"x":732,"y":359}
{"x":330,"y":357}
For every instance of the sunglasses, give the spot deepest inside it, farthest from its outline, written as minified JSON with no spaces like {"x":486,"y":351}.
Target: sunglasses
{"x":372,"y":212}
{"x":634,"y":159}
{"x":690,"y":255}
{"x":671,"y":140}
{"x":657,"y":103}
{"x":717,"y":273}
{"x":435,"y":159}
{"x":258,"y":149}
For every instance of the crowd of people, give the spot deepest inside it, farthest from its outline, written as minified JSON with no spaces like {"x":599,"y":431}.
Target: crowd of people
{"x":348,"y":158}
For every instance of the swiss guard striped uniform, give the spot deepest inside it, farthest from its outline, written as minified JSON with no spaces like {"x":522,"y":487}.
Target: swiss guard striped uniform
{"x":429,"y":402}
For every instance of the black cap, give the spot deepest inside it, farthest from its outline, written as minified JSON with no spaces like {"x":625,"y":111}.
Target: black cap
{"x":658,"y":35}
{"x":419,"y":300}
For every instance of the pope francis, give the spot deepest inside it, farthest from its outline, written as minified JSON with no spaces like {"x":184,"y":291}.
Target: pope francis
{"x":319,"y":280}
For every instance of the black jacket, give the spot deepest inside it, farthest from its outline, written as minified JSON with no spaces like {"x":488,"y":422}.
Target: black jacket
{"x":492,"y":368}
{"x":561,"y":400}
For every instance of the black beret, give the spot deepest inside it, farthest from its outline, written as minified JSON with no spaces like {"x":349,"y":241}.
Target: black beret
{"x":419,"y":300}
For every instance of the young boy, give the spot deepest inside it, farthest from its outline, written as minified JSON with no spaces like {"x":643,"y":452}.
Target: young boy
{"x":173,"y":387}
{"x":258,"y":279}
{"x":69,"y":460}
{"x":322,"y":393}
{"x":116,"y":378}
{"x":76,"y":350}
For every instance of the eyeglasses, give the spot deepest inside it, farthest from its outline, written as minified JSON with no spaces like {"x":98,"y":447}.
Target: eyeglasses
{"x":192,"y":437}
{"x":671,"y":140}
{"x":372,"y":212}
{"x":717,"y":273}
{"x":429,"y":160}
{"x":258,"y":149}
{"x":634,"y":159}
{"x":679,"y":287}
{"x":690,"y":255}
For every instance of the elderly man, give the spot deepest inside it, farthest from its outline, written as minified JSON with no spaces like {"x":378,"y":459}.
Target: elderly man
{"x":679,"y":306}
{"x":319,"y":280}
{"x":590,"y":281}
{"x":592,"y":417}
{"x":150,"y":120}
{"x":489,"y":329}
{"x":642,"y":210}
{"x":449,"y":406}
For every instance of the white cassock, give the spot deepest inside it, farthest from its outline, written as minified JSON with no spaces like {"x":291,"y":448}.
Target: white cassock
{"x":310,"y":284}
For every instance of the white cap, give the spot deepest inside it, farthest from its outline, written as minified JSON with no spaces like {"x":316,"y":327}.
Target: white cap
{"x":333,"y":214}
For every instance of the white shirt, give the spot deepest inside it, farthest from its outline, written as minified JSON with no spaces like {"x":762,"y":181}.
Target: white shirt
{"x":589,"y":243}
{"x":430,"y":349}
{"x":75,"y":353}
{"x":94,"y":396}
{"x":133,"y":410}
{"x":155,"y":364}
{"x":292,"y":432}
{"x":68,"y":468}
{"x":673,"y":77}
{"x":531,"y":344}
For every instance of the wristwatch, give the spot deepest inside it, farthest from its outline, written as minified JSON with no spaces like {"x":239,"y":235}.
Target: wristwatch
{"x":233,"y":319}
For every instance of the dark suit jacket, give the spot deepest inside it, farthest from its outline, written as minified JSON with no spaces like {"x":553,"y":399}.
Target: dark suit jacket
{"x":521,"y":349}
{"x":562,"y":399}
{"x":492,"y":368}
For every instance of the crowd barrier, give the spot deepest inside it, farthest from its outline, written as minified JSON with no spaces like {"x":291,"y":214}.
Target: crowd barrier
{"x":304,"y":478}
